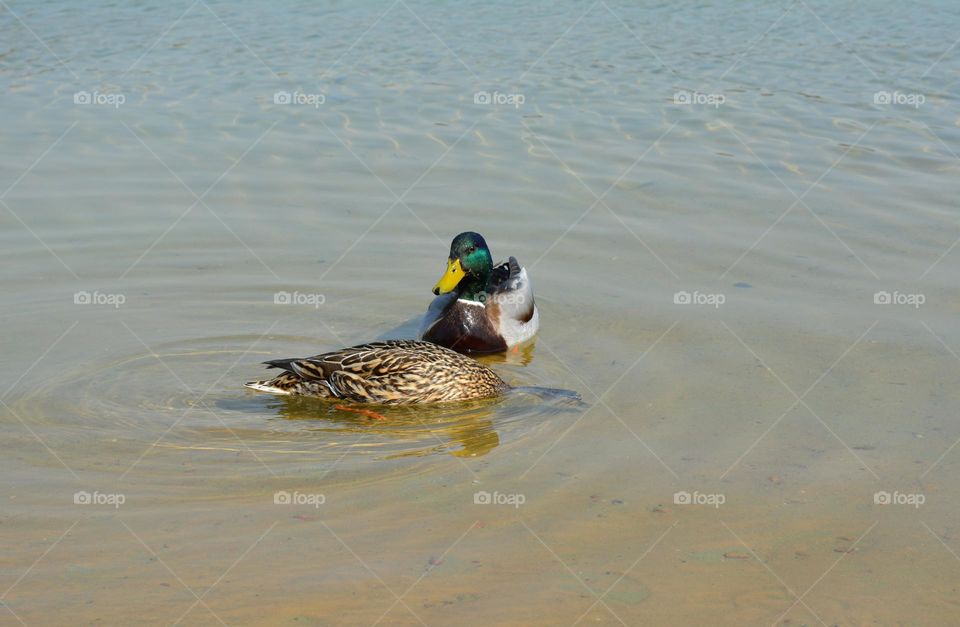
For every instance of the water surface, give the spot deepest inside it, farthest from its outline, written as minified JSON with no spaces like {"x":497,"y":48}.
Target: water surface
{"x":784,"y":167}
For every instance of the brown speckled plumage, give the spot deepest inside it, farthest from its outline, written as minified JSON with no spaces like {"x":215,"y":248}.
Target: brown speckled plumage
{"x":392,"y":372}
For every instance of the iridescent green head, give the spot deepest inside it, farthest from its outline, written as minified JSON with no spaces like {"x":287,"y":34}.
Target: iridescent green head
{"x":469,"y":267}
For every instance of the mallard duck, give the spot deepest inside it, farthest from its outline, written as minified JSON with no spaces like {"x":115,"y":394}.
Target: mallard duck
{"x":393,"y":372}
{"x":480,"y":308}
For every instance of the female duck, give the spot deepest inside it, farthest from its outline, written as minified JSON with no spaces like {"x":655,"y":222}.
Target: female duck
{"x":480,"y":308}
{"x":394,"y":372}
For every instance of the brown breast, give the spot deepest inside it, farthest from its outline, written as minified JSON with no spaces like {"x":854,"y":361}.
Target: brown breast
{"x":467,"y":329}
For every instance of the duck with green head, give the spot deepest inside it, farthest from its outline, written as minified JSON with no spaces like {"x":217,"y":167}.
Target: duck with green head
{"x":480,"y":307}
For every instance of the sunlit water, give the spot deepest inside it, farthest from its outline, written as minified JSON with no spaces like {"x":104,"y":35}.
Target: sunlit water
{"x":786,"y":168}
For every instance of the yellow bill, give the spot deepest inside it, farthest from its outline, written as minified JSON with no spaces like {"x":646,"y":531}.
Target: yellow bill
{"x":450,"y":278}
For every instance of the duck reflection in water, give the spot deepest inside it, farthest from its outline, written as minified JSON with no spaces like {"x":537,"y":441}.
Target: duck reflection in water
{"x":463,"y":429}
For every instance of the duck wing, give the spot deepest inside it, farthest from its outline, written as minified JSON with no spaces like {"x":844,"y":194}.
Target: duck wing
{"x":371,"y":359}
{"x":512,"y":295}
{"x":505,"y":276}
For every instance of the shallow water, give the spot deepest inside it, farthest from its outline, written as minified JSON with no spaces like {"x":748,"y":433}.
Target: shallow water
{"x":739,"y":153}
